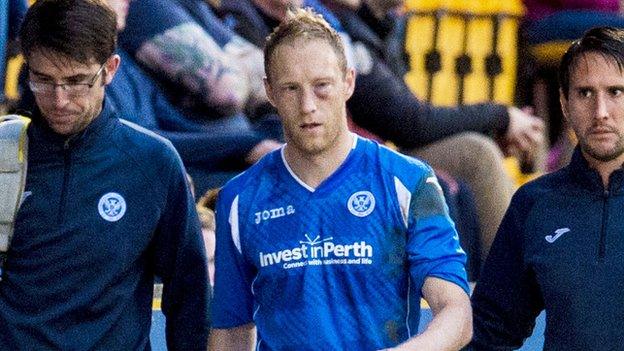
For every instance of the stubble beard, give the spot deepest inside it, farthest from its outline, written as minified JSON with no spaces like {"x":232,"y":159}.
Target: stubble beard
{"x":315,"y":146}
{"x":604,"y":155}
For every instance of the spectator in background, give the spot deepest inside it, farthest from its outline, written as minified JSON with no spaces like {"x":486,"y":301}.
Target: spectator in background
{"x":330,"y":241}
{"x":213,"y":146}
{"x":205,"y":64}
{"x":109,"y":205}
{"x":13,"y":12}
{"x":383,"y":104}
{"x":559,"y":247}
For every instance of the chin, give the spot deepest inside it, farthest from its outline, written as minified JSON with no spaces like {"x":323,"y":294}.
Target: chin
{"x":312,"y":149}
{"x":604,"y":154}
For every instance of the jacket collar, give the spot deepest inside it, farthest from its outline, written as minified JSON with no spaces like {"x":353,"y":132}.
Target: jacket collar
{"x":47,"y":140}
{"x":590,"y":178}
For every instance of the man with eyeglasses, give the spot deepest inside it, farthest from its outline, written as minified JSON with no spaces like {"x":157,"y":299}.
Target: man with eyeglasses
{"x":106,"y":206}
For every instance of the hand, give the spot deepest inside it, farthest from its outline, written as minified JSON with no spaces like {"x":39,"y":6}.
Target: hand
{"x":251,"y":61}
{"x":261,"y":149}
{"x":525,"y":134}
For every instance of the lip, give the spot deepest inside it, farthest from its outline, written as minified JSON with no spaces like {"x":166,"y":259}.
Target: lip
{"x":601,"y":130}
{"x":60,"y":118}
{"x":310,"y":126}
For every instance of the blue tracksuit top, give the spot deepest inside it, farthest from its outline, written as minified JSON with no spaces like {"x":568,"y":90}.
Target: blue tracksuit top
{"x":103,"y":212}
{"x":338,"y":267}
{"x":560,"y":248}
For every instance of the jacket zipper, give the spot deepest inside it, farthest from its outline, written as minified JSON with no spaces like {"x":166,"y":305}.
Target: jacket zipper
{"x":66,"y":175}
{"x":603,"y":229}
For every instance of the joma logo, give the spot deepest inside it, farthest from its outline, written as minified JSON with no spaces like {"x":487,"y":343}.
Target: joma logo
{"x":274,"y":213}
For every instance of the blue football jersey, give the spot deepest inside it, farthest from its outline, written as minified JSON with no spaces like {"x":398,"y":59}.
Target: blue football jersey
{"x":339,"y":267}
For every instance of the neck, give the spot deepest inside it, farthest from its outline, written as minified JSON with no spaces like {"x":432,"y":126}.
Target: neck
{"x":313,"y":169}
{"x":605,"y":168}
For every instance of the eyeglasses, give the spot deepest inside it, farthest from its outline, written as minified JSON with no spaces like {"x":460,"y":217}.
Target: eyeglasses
{"x":71,"y":89}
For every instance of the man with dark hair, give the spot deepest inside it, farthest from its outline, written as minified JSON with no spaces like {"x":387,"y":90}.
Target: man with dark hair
{"x":559,"y":247}
{"x":329,"y":242}
{"x":106,"y":205}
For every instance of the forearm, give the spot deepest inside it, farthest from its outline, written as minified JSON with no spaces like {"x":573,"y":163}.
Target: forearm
{"x":450,"y":329}
{"x":383,"y":104}
{"x":185,"y":55}
{"x":240,"y":338}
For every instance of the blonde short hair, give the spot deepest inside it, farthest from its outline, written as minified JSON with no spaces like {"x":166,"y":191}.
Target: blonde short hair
{"x":307,"y":24}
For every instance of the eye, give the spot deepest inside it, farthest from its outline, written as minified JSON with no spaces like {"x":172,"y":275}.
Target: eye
{"x":585,"y":93}
{"x":322,"y":88}
{"x":322,"y":85}
{"x":289,"y":88}
{"x":616,"y":91}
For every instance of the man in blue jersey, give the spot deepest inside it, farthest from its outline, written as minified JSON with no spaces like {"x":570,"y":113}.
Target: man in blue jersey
{"x":559,"y":247}
{"x":329,"y":242}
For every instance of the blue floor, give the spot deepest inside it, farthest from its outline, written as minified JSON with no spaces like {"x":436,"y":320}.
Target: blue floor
{"x":534,"y":343}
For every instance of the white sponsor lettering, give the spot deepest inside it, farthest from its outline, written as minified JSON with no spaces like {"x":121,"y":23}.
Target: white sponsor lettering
{"x":273,"y":213}
{"x":319,"y":252}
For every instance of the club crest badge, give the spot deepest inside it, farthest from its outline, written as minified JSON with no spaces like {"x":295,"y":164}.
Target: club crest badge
{"x":112,"y":207}
{"x":361,"y":203}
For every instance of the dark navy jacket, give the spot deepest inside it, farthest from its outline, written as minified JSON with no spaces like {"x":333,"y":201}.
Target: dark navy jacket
{"x":103,"y":212}
{"x":560,"y":248}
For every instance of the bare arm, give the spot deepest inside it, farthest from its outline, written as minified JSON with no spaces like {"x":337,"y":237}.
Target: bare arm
{"x":451,"y":327}
{"x":241,"y":338}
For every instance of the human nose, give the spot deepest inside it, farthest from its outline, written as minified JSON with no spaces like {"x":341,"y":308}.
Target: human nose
{"x":601,"y":106}
{"x":59,"y":96}
{"x":308,"y":101}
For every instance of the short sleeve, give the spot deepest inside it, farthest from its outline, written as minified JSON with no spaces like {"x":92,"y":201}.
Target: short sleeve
{"x":433,"y":247}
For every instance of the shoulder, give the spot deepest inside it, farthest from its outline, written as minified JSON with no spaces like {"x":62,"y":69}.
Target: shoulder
{"x":408,"y":170}
{"x":545,"y":184}
{"x":146,"y":148}
{"x":251,"y":179}
{"x":541,"y":192}
{"x":142,"y":138}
